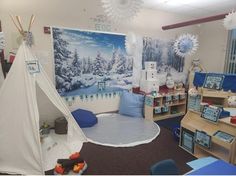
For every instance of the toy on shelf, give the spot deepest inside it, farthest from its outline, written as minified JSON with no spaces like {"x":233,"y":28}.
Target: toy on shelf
{"x":149,"y":81}
{"x":179,"y":86}
{"x":169,"y":81}
{"x":193,"y":92}
{"x":195,"y":67}
{"x":233,"y":119}
{"x":232,"y":101}
{"x":74,"y":163}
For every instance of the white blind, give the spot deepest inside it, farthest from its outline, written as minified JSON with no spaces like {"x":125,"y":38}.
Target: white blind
{"x":230,"y":61}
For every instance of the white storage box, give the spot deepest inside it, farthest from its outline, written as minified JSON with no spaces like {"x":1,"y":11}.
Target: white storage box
{"x":151,"y":74}
{"x":148,"y":86}
{"x":150,"y":65}
{"x":143,"y":75}
{"x":148,"y":74}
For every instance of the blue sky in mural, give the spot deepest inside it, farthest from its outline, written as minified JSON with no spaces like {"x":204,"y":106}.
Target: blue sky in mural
{"x":90,"y":43}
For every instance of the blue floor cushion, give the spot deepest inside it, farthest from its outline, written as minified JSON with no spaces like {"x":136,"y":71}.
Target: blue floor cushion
{"x":131,"y":104}
{"x":84,"y":118}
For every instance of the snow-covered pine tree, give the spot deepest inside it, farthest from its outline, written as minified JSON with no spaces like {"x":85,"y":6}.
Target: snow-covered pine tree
{"x":76,"y":64}
{"x":85,"y":65}
{"x":129,"y":63}
{"x":121,"y":66}
{"x":98,"y":68}
{"x":61,"y":54}
{"x":90,"y":65}
{"x":115,"y":60}
{"x":114,"y":57}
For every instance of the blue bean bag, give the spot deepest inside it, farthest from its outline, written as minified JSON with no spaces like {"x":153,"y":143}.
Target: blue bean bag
{"x":84,"y":118}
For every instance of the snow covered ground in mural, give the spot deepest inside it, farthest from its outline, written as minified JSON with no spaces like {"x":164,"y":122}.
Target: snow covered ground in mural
{"x":89,"y":84}
{"x":89,"y":62}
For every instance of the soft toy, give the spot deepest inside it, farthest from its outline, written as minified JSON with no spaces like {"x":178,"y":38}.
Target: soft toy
{"x":75,"y":155}
{"x":232,"y":101}
{"x":78,"y":168}
{"x":75,"y":163}
{"x":169,"y":81}
{"x":196,"y":66}
{"x":193,"y":92}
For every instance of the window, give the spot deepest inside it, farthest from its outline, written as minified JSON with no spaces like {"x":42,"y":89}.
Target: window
{"x":230,"y":61}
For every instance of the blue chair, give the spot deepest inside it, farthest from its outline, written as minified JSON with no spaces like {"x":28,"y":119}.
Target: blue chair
{"x":164,"y":167}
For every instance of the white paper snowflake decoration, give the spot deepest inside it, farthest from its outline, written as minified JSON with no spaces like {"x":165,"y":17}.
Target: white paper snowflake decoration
{"x":2,"y":41}
{"x":185,"y":44}
{"x":121,"y":10}
{"x":130,"y":43}
{"x":230,"y":21}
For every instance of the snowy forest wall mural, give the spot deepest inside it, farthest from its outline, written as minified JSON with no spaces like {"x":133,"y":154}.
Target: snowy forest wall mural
{"x":163,"y":53}
{"x":89,"y":63}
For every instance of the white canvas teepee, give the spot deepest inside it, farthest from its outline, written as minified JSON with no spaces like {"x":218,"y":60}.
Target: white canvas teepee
{"x":20,"y":148}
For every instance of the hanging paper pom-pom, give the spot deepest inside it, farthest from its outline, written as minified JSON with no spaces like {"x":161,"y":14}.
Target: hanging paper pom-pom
{"x":130,"y":43}
{"x":2,"y":41}
{"x":121,"y":10}
{"x":230,"y":21}
{"x":185,"y":44}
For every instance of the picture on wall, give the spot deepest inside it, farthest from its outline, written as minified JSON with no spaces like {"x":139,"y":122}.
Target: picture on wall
{"x":88,"y":62}
{"x":163,"y":53}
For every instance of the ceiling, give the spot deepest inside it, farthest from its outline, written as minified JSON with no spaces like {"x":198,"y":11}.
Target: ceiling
{"x":192,"y":8}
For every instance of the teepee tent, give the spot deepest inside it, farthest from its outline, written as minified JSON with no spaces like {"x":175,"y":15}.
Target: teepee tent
{"x":20,"y":148}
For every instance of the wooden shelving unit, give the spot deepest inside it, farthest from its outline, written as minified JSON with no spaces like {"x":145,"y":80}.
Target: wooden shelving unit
{"x":165,"y":106}
{"x":215,"y":97}
{"x":219,"y":148}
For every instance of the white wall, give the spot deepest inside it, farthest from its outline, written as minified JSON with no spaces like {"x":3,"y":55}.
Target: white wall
{"x":213,"y":42}
{"x":79,"y":14}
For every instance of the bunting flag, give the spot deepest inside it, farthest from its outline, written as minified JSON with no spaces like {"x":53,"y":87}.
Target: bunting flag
{"x":92,"y":97}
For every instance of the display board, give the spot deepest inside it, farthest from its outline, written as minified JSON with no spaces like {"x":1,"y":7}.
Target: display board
{"x":187,"y":141}
{"x":224,"y":136}
{"x":211,"y":113}
{"x":194,"y":103}
{"x":202,"y":138}
{"x":213,"y":81}
{"x":228,"y":81}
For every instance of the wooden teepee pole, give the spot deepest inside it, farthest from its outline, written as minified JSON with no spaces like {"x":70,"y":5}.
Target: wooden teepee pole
{"x":18,"y":19}
{"x":16,"y":24}
{"x":31,"y":22}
